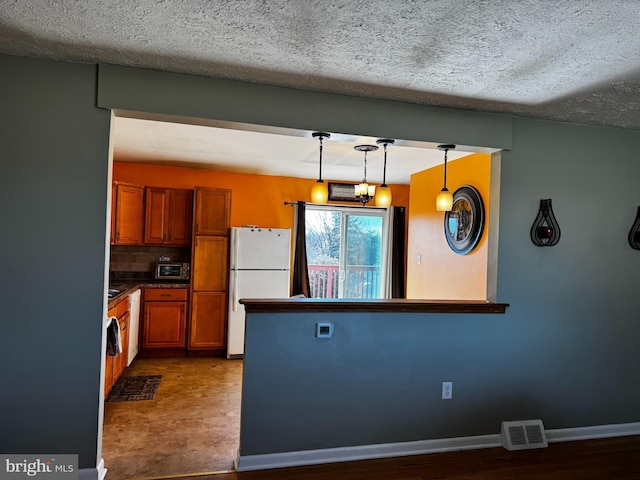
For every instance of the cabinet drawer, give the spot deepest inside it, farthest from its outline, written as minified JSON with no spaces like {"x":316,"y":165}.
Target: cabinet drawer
{"x":165,"y":294}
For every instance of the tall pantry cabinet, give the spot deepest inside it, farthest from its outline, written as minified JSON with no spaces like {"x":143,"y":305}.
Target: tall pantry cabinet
{"x":209,"y":270}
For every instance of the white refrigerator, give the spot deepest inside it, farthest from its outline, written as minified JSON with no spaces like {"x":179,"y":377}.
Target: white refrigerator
{"x":259,"y":268}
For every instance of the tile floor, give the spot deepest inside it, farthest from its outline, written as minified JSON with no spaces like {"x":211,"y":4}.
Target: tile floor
{"x":192,"y":425}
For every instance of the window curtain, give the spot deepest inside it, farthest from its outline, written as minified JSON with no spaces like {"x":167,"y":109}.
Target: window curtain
{"x":396,"y":262}
{"x":300,"y":281}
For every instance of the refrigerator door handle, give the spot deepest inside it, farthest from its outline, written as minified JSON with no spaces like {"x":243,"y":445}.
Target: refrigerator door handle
{"x":235,"y":291}
{"x":236,"y":244}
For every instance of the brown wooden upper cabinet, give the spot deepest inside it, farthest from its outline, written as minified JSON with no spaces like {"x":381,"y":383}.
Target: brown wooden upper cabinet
{"x":168,"y":216}
{"x":212,"y":212}
{"x":129,"y":213}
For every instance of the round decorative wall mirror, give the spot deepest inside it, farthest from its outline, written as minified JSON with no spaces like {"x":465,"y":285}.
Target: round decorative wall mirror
{"x":463,"y":225}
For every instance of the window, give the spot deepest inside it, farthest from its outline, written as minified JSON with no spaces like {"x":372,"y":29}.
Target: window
{"x":347,"y":251}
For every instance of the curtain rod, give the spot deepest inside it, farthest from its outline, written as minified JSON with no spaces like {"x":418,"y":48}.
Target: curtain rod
{"x":293,"y":204}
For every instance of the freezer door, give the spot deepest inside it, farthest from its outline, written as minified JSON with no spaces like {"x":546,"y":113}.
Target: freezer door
{"x":250,"y":284}
{"x":260,"y":248}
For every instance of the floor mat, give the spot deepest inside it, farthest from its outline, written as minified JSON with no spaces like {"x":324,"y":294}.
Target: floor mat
{"x":128,"y":389}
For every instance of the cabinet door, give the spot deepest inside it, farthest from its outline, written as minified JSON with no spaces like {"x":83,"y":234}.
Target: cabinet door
{"x":164,"y":325}
{"x":180,"y":217}
{"x":108,"y":374}
{"x":208,"y":325}
{"x":155,"y":216}
{"x":129,"y":214}
{"x":121,"y":360}
{"x":209,"y":268}
{"x":212,"y":211}
{"x":168,"y":216}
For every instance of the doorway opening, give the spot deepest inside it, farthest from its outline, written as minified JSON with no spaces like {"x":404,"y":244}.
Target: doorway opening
{"x":346,"y":251}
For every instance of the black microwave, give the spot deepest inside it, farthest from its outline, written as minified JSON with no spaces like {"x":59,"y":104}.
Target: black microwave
{"x":172,"y":271}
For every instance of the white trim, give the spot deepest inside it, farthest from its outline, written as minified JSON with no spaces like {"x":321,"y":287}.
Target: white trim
{"x":97,"y":473}
{"x":362,"y":452}
{"x":596,"y":431}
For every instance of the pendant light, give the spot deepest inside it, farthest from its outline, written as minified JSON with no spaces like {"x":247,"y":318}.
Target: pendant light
{"x":383,"y":192}
{"x":444,"y":200}
{"x":365,"y":192}
{"x":319,"y":191}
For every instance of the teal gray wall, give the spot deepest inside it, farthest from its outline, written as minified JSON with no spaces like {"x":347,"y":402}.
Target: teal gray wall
{"x":149,"y":91}
{"x":574,"y":322}
{"x":377,"y":380}
{"x":565,"y":351}
{"x":53,"y":203}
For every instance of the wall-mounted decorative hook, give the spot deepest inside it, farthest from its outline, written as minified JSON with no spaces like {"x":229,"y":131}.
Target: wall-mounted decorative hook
{"x":634,"y":233}
{"x":545,"y":231}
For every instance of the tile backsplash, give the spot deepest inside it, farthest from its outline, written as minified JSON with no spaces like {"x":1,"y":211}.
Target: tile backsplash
{"x":126,"y":258}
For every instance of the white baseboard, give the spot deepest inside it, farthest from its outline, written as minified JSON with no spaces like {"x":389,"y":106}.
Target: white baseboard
{"x":596,"y":431}
{"x":362,"y":452}
{"x":345,"y":454}
{"x":97,"y":473}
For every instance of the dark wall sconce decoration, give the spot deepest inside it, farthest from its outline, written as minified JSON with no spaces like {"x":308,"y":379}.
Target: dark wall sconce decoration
{"x":545,"y":231}
{"x":634,"y":233}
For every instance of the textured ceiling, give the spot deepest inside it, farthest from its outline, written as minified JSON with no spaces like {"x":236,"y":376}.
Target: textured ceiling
{"x":576,"y":61}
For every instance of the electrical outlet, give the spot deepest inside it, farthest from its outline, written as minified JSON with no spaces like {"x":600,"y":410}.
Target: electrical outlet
{"x":447,"y":390}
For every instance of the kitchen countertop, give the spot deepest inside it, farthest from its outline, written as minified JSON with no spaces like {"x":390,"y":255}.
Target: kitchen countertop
{"x":128,"y":287}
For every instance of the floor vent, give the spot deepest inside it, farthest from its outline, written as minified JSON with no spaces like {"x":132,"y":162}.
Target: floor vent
{"x":523,"y":434}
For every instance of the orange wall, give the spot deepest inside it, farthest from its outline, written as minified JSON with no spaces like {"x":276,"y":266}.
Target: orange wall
{"x":255,"y":199}
{"x":443,"y":274}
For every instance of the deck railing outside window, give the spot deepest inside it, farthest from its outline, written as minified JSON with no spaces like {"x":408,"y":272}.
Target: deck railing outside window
{"x":360,"y":281}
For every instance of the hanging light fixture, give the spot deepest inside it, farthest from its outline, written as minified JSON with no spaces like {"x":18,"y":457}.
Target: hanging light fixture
{"x":383,"y":192}
{"x":365,"y":192}
{"x":319,"y":191}
{"x":444,"y":200}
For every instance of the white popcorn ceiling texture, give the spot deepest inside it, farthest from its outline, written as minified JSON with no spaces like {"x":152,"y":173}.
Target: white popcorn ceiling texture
{"x":568,"y":60}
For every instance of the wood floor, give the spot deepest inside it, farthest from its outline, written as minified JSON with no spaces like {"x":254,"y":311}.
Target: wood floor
{"x":192,"y":427}
{"x":617,"y":458}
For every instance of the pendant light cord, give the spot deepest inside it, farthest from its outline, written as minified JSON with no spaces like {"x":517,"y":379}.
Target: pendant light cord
{"x":384,"y":169}
{"x":320,"y":172}
{"x":365,"y":168}
{"x":445,"y":168}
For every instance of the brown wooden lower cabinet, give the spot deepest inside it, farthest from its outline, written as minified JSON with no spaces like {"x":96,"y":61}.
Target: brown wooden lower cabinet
{"x":165,"y":318}
{"x":108,"y":374}
{"x":120,"y":361}
{"x":114,"y":366}
{"x":164,"y":325}
{"x":208,"y":326}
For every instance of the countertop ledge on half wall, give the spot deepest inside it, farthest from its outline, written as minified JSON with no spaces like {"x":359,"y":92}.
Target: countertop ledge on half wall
{"x":268,"y":305}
